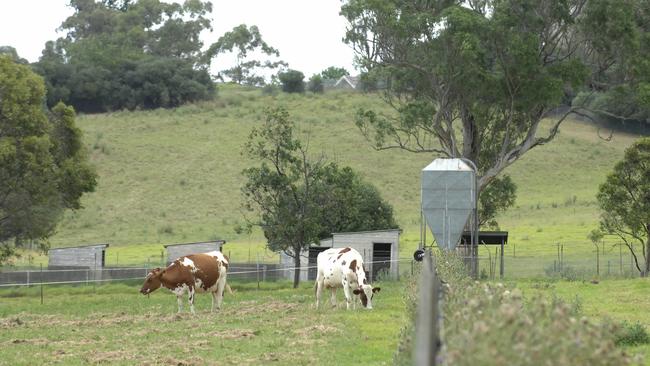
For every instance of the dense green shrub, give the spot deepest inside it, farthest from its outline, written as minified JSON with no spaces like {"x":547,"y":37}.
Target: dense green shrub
{"x":148,"y":83}
{"x":568,"y":273}
{"x":315,"y":84}
{"x":492,"y":324}
{"x":292,"y":81}
{"x":631,"y":334}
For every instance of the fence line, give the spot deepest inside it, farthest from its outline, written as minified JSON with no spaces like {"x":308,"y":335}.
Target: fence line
{"x":427,"y":330}
{"x":96,"y":275}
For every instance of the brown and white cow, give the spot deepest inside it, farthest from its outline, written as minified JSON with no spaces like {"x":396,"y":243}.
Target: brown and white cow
{"x":193,"y":273}
{"x":343,"y":267}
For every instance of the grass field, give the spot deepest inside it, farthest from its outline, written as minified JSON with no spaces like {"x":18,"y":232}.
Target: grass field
{"x":170,"y":176}
{"x":114,"y":324}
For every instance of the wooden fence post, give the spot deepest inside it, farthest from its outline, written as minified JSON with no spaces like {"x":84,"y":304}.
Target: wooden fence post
{"x":426,"y":326}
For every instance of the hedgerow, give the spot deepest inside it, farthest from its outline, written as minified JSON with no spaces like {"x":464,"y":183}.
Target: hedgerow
{"x":488,"y":323}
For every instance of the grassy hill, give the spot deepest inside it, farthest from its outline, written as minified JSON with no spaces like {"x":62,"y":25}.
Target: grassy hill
{"x":169,"y":176}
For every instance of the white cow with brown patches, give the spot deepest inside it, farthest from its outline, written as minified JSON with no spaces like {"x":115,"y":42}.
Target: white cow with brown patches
{"x":193,"y":273}
{"x":343,"y":267}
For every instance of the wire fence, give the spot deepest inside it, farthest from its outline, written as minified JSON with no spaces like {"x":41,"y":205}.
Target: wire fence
{"x":568,"y":260}
{"x":237,"y":271}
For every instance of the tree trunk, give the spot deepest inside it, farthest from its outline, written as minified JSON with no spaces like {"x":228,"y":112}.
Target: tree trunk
{"x":646,"y":266}
{"x":296,"y":271}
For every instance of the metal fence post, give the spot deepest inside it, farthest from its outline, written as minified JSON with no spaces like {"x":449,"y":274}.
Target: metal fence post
{"x":620,"y":258}
{"x":41,"y":283}
{"x":95,"y":275}
{"x":426,"y":327}
{"x":257,"y":272}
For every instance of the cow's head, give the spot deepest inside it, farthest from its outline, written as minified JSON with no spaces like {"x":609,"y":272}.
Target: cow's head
{"x":152,"y":281}
{"x":366,"y":292}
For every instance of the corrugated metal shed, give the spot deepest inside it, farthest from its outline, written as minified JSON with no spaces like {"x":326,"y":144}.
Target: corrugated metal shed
{"x":86,"y":256}
{"x":175,"y":251}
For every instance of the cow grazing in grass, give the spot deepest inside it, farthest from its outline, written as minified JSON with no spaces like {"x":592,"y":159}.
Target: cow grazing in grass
{"x":343,"y":267}
{"x":193,"y":273}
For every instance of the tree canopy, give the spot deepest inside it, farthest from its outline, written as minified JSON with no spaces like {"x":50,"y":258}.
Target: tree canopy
{"x":334,"y":73}
{"x":245,"y":40}
{"x":292,"y":81}
{"x":13,"y":54}
{"x":124,"y":54}
{"x":621,"y":91}
{"x":475,"y":79}
{"x":43,"y":165}
{"x":298,"y":200}
{"x":624,"y":200}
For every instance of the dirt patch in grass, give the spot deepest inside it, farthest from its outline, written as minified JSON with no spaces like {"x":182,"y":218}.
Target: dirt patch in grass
{"x":11,"y":322}
{"x":109,"y":357}
{"x":48,"y":342}
{"x":193,"y":361}
{"x":237,"y":334}
{"x":316,"y":330}
{"x":92,"y":320}
{"x":245,"y":308}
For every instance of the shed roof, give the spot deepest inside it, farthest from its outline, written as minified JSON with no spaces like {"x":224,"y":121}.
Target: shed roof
{"x":80,"y":246}
{"x":369,"y":231}
{"x":198,"y":242}
{"x":486,"y":237}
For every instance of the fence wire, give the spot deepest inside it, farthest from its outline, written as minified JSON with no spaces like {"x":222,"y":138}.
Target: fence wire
{"x":262,"y":272}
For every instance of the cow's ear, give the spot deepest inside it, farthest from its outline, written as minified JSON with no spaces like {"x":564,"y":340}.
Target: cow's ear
{"x":356,"y":291}
{"x":376,"y":289}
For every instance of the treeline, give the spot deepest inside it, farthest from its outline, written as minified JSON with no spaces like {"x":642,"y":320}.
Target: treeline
{"x":145,"y":54}
{"x":126,"y":54}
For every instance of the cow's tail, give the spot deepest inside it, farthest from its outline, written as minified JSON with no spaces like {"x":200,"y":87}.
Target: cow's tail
{"x":229,"y":289}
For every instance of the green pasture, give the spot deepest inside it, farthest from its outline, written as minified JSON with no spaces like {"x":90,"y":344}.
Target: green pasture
{"x":174,"y":176}
{"x":618,"y":300}
{"x":114,"y":324}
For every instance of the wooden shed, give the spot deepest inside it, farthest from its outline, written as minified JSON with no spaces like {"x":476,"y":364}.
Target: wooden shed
{"x":175,"y":251}
{"x":85,"y":256}
{"x":379,"y":248}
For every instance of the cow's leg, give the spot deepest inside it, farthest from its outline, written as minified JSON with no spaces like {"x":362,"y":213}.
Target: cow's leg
{"x":179,"y":299}
{"x":190,"y":296}
{"x":320,"y":283}
{"x":333,"y":296}
{"x":348,"y":294}
{"x":221,"y":287}
{"x":214,"y":300}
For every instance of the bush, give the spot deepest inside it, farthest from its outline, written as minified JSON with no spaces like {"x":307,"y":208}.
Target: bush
{"x":148,"y":83}
{"x":491,"y":324}
{"x":315,"y":84}
{"x":631,"y":334}
{"x":292,"y":81}
{"x":567,"y":273}
{"x":270,"y":89}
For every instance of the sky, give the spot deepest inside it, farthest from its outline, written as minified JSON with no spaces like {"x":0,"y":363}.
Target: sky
{"x":308,"y":33}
